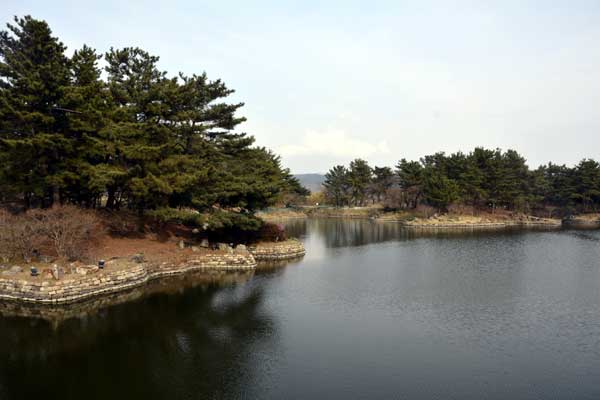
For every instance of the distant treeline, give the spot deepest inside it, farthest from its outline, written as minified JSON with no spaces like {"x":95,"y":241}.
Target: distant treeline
{"x":483,"y":178}
{"x":129,"y":136}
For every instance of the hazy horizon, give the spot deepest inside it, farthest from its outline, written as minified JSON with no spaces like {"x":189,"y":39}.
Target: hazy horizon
{"x":326,"y":83}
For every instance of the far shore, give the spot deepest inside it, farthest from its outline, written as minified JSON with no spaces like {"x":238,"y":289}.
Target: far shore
{"x":410,"y":219}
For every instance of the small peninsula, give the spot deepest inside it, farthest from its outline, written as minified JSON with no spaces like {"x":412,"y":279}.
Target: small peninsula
{"x":115,"y":172}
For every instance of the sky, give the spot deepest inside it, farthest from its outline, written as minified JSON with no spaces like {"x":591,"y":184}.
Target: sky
{"x":325,"y":82}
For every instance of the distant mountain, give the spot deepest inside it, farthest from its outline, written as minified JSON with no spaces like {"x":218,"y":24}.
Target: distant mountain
{"x":312,"y":182}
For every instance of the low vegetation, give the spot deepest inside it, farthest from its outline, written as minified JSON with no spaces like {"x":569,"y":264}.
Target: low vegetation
{"x":66,"y":232}
{"x":70,"y":233}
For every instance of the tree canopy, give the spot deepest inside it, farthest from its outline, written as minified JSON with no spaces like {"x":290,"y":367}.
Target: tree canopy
{"x":113,"y":130}
{"x":483,"y":178}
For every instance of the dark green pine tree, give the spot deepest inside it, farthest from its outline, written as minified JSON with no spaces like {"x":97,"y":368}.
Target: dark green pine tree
{"x":471,"y":182}
{"x":513,"y":189}
{"x":359,"y":178}
{"x":562,"y":185}
{"x":587,"y":184}
{"x":88,"y":175}
{"x":539,"y":188}
{"x":489,"y":163}
{"x":410,"y":179}
{"x":439,"y":191}
{"x":33,"y":75}
{"x":383,"y":180}
{"x":337,"y":186}
{"x":139,"y":133}
{"x":207,"y":153}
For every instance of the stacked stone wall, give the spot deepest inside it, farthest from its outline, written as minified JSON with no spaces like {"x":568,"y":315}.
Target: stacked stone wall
{"x":285,"y":250}
{"x":113,"y":279}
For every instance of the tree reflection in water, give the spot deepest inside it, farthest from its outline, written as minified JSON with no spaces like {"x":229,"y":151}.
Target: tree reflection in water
{"x":344,"y":232}
{"x":172,"y":341}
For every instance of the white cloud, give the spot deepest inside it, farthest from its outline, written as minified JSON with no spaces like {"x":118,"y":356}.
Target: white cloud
{"x":333,"y":143}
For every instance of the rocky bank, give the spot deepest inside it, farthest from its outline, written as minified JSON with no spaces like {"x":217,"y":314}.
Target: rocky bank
{"x":74,"y":282}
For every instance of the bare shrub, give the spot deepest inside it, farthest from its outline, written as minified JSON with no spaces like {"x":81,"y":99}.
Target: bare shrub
{"x":20,"y":235}
{"x":394,"y":199}
{"x":462,"y":209}
{"x":271,"y":233}
{"x":425,"y":211}
{"x":71,"y":230}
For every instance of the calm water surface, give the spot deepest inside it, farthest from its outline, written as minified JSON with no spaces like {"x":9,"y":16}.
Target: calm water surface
{"x":371,"y":312}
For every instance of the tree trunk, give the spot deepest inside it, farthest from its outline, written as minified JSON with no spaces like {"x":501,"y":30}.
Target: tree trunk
{"x":110,"y":202}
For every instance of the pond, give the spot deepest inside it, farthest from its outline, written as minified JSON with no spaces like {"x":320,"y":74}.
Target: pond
{"x":373,"y":311}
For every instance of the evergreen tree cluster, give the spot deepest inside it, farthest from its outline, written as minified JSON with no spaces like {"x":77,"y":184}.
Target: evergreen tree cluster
{"x":483,"y":178}
{"x":357,"y":184}
{"x":127,"y":135}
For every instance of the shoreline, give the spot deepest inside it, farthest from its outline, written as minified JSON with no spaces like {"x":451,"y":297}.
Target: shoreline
{"x":56,"y":313}
{"x":126,"y":276}
{"x":590,"y":221}
{"x":482,"y":221}
{"x":459,"y":224}
{"x":277,"y":251}
{"x":121,"y":275}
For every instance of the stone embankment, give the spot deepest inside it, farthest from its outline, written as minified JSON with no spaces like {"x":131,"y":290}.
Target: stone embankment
{"x":471,"y":222}
{"x":55,"y":286}
{"x":486,"y":225}
{"x":117,"y":276}
{"x":276,"y":251}
{"x":56,"y":313}
{"x":589,"y":221}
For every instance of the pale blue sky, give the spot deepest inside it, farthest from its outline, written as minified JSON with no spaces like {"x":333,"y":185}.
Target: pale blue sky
{"x":325,"y":82}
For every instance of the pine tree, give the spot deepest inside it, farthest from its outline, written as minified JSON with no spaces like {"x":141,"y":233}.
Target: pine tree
{"x":438,"y":189}
{"x":410,"y":179}
{"x":561,"y":182}
{"x":383,"y":180}
{"x":88,"y":104}
{"x":471,"y":183}
{"x":337,"y":185}
{"x":513,"y":190}
{"x":33,"y":76}
{"x":359,"y":178}
{"x":139,"y":139}
{"x":587,"y":184}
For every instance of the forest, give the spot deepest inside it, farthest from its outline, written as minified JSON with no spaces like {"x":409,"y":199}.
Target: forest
{"x":484,"y":179}
{"x":114,"y":131}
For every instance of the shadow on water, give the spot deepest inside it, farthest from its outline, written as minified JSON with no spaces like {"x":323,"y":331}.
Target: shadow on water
{"x":268,"y":268}
{"x":185,"y":340}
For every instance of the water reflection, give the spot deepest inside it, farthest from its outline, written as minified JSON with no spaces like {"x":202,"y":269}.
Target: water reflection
{"x":338,"y":232}
{"x":276,"y":266}
{"x":161,"y":346}
{"x":56,"y":314}
{"x":373,"y":311}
